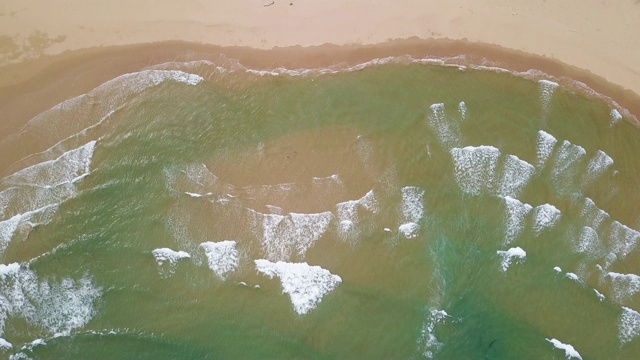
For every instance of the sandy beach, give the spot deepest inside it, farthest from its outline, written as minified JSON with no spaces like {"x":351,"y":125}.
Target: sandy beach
{"x":81,"y":44}
{"x":259,"y":179}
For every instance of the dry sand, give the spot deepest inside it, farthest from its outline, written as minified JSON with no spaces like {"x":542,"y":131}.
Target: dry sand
{"x":600,"y":37}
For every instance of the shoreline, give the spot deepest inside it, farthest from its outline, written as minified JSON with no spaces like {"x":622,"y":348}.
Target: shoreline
{"x":31,"y":87}
{"x":588,"y":34}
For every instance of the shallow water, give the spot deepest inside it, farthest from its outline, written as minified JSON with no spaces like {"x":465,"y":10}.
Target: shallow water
{"x":201,"y":210}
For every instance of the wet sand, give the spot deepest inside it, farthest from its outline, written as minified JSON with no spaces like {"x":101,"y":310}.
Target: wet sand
{"x":48,"y":53}
{"x":31,"y":87}
{"x":257,"y":172}
{"x":594,"y":35}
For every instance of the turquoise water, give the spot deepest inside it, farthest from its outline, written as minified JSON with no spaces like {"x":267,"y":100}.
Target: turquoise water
{"x":403,"y":210}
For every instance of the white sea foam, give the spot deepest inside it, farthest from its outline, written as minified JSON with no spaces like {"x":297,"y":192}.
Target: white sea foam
{"x":409,"y":230}
{"x":308,"y":229}
{"x":346,"y":227}
{"x":624,"y":286}
{"x":30,"y":346}
{"x":9,"y":270}
{"x":566,"y":166}
{"x":348,"y":214}
{"x":200,"y":174}
{"x":262,"y":191}
{"x":37,"y":342}
{"x":70,"y":166}
{"x":623,"y":239}
{"x":462,"y":108}
{"x":370,"y":202}
{"x":545,"y":145}
{"x":223,"y":257}
{"x":446,"y":130}
{"x":165,"y":254}
{"x":338,"y":69}
{"x":615,"y":116}
{"x":569,"y":351}
{"x":512,"y":255}
{"x":459,"y":62}
{"x":283,"y":236}
{"x":57,"y":307}
{"x":412,"y":203}
{"x":475,"y":168}
{"x":195,"y":64}
{"x":546,"y":93}
{"x":599,"y":295}
{"x":113,"y":94}
{"x":629,"y":325}
{"x":306,"y":285}
{"x":609,"y":259}
{"x":515,"y":218}
{"x":583,"y":271}
{"x":199,"y":177}
{"x":557,"y":269}
{"x":599,"y":164}
{"x":7,"y":229}
{"x":275,"y":209}
{"x":427,"y":342}
{"x":516,"y":174}
{"x":5,"y":345}
{"x":285,"y":187}
{"x":365,"y":151}
{"x":36,"y":191}
{"x":142,"y":80}
{"x":6,"y":197}
{"x":40,"y":216}
{"x":23,"y":223}
{"x":572,"y":276}
{"x":589,"y":243}
{"x":171,"y":257}
{"x":19,"y":356}
{"x":331,"y":180}
{"x":592,"y":215}
{"x":545,"y":216}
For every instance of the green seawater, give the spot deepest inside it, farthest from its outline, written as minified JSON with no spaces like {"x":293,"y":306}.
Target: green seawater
{"x":417,"y":188}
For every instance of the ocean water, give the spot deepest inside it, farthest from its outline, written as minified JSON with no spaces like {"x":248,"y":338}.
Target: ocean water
{"x":395,"y":209}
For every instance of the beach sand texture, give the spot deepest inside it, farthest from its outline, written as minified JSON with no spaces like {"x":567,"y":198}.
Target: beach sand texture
{"x":595,"y":35}
{"x":591,"y":42}
{"x":293,"y":178}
